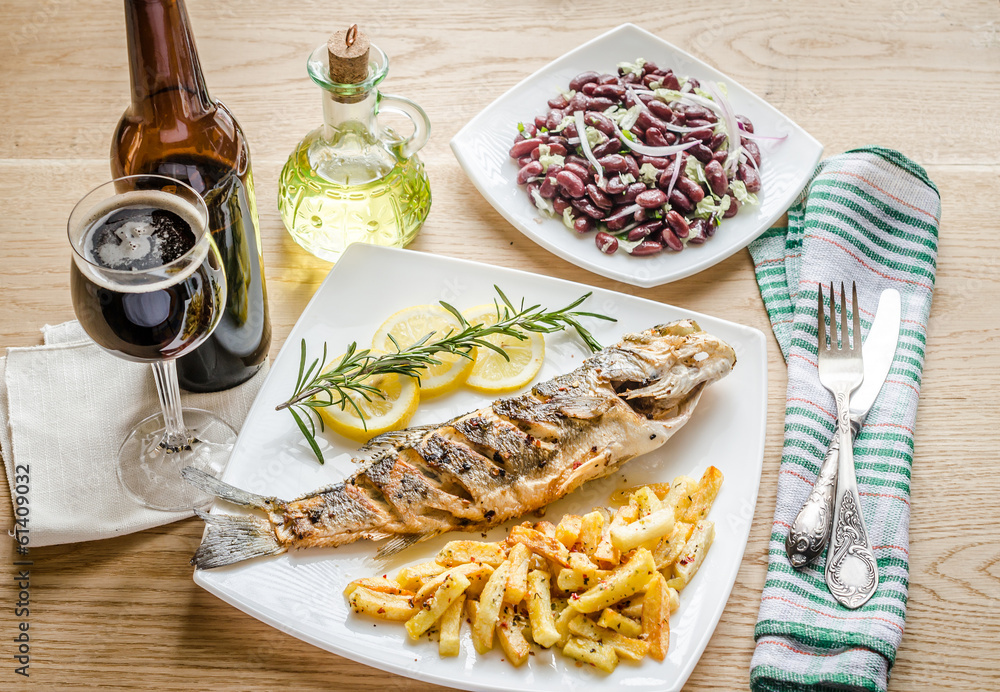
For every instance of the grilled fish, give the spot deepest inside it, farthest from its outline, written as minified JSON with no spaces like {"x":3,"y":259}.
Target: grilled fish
{"x":482,"y":468}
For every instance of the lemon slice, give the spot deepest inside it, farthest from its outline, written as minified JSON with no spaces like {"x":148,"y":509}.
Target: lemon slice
{"x":492,"y":373}
{"x":393,"y":412}
{"x":414,"y":323}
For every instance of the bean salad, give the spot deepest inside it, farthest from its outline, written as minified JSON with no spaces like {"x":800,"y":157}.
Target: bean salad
{"x":650,"y":161}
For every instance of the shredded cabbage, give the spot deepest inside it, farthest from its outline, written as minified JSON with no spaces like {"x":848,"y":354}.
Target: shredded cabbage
{"x":649,"y":173}
{"x":739,"y":189}
{"x":704,"y":94}
{"x":694,"y":170}
{"x":567,"y":93}
{"x":632,"y":67}
{"x":564,"y":124}
{"x":547,"y":159}
{"x":708,"y":207}
{"x":542,"y":204}
{"x":627,"y":178}
{"x":568,"y":217}
{"x":595,"y":136}
{"x":627,"y":245}
{"x":631,"y":115}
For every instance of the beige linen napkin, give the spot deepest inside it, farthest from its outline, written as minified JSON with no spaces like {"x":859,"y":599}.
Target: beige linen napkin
{"x":65,"y":408}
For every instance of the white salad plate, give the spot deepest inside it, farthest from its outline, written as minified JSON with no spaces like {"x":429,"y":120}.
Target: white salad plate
{"x":482,"y":148}
{"x":300,"y":593}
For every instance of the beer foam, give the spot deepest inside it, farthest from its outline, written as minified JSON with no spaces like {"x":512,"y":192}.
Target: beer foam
{"x":128,"y":259}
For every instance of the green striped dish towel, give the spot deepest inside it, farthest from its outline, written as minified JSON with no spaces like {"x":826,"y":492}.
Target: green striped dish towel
{"x":871,"y":216}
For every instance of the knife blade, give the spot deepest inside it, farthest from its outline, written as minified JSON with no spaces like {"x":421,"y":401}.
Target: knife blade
{"x":810,"y":531}
{"x":879,"y":350}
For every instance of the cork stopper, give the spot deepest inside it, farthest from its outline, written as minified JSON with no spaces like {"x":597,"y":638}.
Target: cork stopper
{"x":348,"y":56}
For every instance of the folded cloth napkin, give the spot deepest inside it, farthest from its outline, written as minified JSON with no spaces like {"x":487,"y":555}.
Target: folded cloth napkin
{"x":871,"y":216}
{"x":65,"y":408}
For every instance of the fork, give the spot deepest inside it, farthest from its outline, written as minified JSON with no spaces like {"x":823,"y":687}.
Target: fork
{"x":851,"y":570}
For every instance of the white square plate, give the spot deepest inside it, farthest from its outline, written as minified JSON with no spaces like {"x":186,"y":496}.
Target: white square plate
{"x":301,"y":593}
{"x":482,"y":148}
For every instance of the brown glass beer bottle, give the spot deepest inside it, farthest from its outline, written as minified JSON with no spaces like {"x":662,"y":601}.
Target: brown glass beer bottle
{"x":174,"y":128}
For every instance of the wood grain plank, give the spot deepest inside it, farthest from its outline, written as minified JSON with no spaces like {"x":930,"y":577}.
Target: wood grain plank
{"x":124,"y":613}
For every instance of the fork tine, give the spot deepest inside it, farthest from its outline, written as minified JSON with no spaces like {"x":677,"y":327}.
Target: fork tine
{"x":833,"y":318}
{"x":857,"y":318}
{"x":844,"y":339}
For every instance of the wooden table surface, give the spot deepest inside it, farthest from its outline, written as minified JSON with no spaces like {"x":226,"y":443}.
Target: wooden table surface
{"x":922,"y":77}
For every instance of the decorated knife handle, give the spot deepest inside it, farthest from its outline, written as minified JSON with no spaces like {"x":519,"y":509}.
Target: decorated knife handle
{"x":810,"y":531}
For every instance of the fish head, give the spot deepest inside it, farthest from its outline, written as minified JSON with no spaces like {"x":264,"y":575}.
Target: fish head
{"x":661,"y":371}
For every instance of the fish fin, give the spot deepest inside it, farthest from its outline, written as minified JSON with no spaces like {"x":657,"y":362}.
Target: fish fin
{"x":398,"y":544}
{"x":390,"y":442}
{"x":581,"y":407}
{"x":213,"y":486}
{"x":233,"y":538}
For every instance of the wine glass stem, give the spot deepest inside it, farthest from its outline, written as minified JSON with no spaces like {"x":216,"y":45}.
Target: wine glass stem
{"x":175,"y":437}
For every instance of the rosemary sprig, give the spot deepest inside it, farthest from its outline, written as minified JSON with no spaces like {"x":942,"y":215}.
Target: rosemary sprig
{"x":316,"y":388}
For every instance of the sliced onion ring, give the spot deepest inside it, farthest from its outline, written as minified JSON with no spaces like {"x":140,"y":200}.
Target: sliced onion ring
{"x":581,"y":129}
{"x":648,"y":150}
{"x":752,"y":136}
{"x":675,"y":175}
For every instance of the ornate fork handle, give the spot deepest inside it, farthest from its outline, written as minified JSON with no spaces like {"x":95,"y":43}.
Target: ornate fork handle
{"x":811,"y":529}
{"x":851,"y":570}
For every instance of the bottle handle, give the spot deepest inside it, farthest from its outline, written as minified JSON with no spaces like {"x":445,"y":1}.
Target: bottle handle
{"x":409,"y":146}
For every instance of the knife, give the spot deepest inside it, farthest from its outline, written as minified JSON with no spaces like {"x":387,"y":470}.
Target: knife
{"x":810,"y":531}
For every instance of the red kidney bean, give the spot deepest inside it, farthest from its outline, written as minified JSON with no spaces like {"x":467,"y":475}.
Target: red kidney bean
{"x":553,"y":170}
{"x":539,"y":121}
{"x":699,"y":113}
{"x":659,"y":162}
{"x":660,"y":110}
{"x":578,"y":160}
{"x":670,"y":81}
{"x":632,"y":166}
{"x":677,"y":223}
{"x":584,"y":224}
{"x":734,"y":208}
{"x":524,"y":147}
{"x":630,"y":78}
{"x":559,"y":101}
{"x":577,"y":103}
{"x":646,"y":120}
{"x":548,"y":187}
{"x":651,"y":199}
{"x":640,"y":216}
{"x":749,"y":176}
{"x":587,"y":208}
{"x":598,"y":197}
{"x":556,"y":149}
{"x":679,"y":200}
{"x":601,"y":139}
{"x":752,"y":149}
{"x":716,"y":177}
{"x":612,"y":146}
{"x":523,"y":161}
{"x":701,"y":152}
{"x":646,"y":96}
{"x":614,"y":91}
{"x":655,"y":138}
{"x":560,"y":204}
{"x":533,"y":187}
{"x":638,"y":132}
{"x":648,"y":79}
{"x":570,"y":182}
{"x":718,"y":139}
{"x":607,"y":79}
{"x":747,"y":125}
{"x":692,"y":190}
{"x":704,"y":134}
{"x":615,"y":185}
{"x":618,"y":220}
{"x":633,"y":191}
{"x":697,"y":122}
{"x":600,"y":122}
{"x":615,"y":163}
{"x":583,"y":78}
{"x":693,"y":82}
{"x":553,"y":119}
{"x":606,"y":243}
{"x":649,"y":68}
{"x":530,"y":170}
{"x":647,"y":247}
{"x":588,"y":88}
{"x":698,"y":233}
{"x":600,"y":103}
{"x":643,"y":230}
{"x":721,"y":156}
{"x":671,"y":240}
{"x":581,"y":172}
{"x":710,"y":226}
{"x":570,"y":130}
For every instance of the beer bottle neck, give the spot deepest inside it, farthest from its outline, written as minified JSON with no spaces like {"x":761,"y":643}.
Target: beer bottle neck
{"x":163,"y":59}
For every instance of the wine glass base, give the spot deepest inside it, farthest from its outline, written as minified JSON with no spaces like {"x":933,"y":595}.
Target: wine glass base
{"x":151,"y":474}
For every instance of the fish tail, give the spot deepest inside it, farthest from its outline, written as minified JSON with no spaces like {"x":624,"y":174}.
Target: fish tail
{"x":213,"y":486}
{"x":233,"y":538}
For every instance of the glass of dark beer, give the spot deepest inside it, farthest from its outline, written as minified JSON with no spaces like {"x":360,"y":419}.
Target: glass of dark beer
{"x":148,"y":286}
